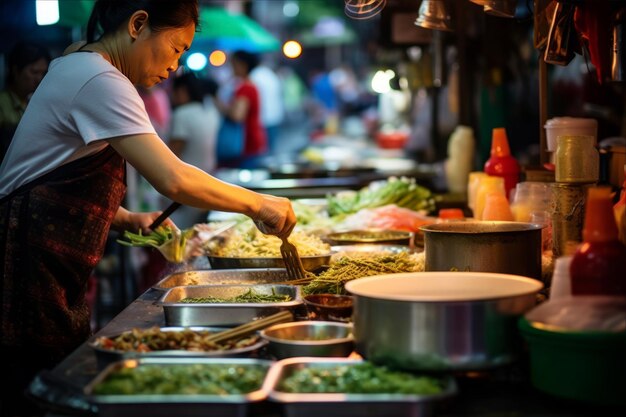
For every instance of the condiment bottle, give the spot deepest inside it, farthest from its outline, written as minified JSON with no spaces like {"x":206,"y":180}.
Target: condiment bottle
{"x":488,"y":184}
{"x":599,"y":263}
{"x":497,"y":208}
{"x":501,"y":163}
{"x":460,"y":159}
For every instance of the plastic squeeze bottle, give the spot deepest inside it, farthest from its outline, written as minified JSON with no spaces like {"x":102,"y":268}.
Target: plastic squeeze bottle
{"x":599,"y":263}
{"x":501,"y":163}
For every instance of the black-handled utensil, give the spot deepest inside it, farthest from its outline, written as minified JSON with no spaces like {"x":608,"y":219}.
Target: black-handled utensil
{"x":166,"y":213}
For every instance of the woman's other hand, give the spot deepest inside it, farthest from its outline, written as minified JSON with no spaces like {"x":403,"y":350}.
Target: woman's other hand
{"x":276,"y":216}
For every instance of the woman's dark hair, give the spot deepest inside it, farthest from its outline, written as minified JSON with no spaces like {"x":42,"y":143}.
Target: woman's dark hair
{"x":193,"y":85}
{"x":108,"y":15}
{"x":251,"y":60}
{"x":22,"y":54}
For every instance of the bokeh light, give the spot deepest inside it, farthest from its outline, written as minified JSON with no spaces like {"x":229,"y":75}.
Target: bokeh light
{"x":196,"y":61}
{"x":217,"y":58}
{"x":292,"y":49}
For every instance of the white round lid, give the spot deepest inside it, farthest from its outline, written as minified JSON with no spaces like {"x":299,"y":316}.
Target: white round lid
{"x":571,"y":121}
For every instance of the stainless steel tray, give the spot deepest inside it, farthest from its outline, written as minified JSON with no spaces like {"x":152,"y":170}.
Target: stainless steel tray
{"x":223,"y":314}
{"x":345,"y":405}
{"x":172,"y":405}
{"x":310,"y":263}
{"x":370,"y":249}
{"x":107,"y":356}
{"x":223,"y":277}
{"x":371,"y":236}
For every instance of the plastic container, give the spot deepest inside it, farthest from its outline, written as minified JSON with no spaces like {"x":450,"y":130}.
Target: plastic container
{"x":501,"y":163}
{"x":576,"y":160}
{"x":560,"y":126}
{"x":497,"y":208}
{"x":599,"y":263}
{"x":585,"y":366}
{"x":529,"y":197}
{"x":460,"y":162}
{"x":561,"y":285}
{"x":473,"y":183}
{"x":450,"y":215}
{"x":488,"y":184}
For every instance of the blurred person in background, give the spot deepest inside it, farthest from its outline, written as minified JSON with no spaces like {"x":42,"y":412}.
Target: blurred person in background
{"x":272,"y":107}
{"x":245,"y":107}
{"x":62,"y":181}
{"x":193,"y":133}
{"x":27,"y":63}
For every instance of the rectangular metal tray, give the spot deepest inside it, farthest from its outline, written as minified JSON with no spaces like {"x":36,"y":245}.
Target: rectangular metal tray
{"x":172,"y":405}
{"x":106,"y":357}
{"x":223,"y":277}
{"x":310,"y":263}
{"x":345,"y":405}
{"x":222,"y":314}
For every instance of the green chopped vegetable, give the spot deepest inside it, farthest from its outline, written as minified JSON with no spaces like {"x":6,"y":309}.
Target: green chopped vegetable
{"x":249,"y":296}
{"x":194,"y":379}
{"x":360,"y":378}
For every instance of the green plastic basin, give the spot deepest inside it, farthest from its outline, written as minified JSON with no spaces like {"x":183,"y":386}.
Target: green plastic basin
{"x":583,"y":366}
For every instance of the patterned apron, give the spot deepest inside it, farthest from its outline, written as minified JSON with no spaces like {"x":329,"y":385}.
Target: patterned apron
{"x":52,"y":234}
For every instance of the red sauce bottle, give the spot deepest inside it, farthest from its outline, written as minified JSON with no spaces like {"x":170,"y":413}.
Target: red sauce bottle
{"x":501,"y":163}
{"x":599,"y":264}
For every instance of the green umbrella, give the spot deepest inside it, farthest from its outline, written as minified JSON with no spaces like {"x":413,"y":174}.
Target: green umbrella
{"x":74,"y":12}
{"x":220,"y":29}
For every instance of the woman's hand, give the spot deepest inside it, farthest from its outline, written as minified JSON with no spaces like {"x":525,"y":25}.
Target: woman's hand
{"x":276,"y":216}
{"x":134,"y":221}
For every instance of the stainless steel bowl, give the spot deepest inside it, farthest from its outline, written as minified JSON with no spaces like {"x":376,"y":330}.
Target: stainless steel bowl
{"x":481,"y":246}
{"x":440,"y":320}
{"x":309,"y":338}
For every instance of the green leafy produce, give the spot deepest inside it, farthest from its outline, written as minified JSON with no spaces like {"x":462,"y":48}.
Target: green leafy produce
{"x":193,"y":379}
{"x":403,"y":192}
{"x":249,"y":296}
{"x":171,"y":242}
{"x":360,"y":378}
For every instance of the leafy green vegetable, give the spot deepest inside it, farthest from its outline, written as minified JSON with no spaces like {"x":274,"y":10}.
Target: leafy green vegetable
{"x":360,"y":378}
{"x":403,"y":192}
{"x":194,"y":379}
{"x":171,"y":242}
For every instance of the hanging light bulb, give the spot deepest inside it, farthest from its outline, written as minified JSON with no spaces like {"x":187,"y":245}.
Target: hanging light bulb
{"x":364,"y":9}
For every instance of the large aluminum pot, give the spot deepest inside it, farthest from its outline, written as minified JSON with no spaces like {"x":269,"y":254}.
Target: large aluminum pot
{"x":440,"y":320}
{"x":485,"y":246}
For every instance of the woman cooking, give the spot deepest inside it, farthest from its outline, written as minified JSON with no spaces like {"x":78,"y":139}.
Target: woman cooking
{"x":62,"y":180}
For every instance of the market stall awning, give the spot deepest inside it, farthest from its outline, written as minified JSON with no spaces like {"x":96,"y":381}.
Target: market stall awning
{"x":220,"y":29}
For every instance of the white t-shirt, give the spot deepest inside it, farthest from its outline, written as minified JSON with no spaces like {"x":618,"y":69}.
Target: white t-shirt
{"x":81,"y":100}
{"x":197,"y":125}
{"x":270,"y":91}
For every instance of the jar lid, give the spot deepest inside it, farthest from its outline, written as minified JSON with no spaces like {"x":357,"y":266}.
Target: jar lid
{"x":570,"y":122}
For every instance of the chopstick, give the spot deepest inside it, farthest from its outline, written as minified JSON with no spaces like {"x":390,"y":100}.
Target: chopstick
{"x":251,"y":327}
{"x":166,"y":213}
